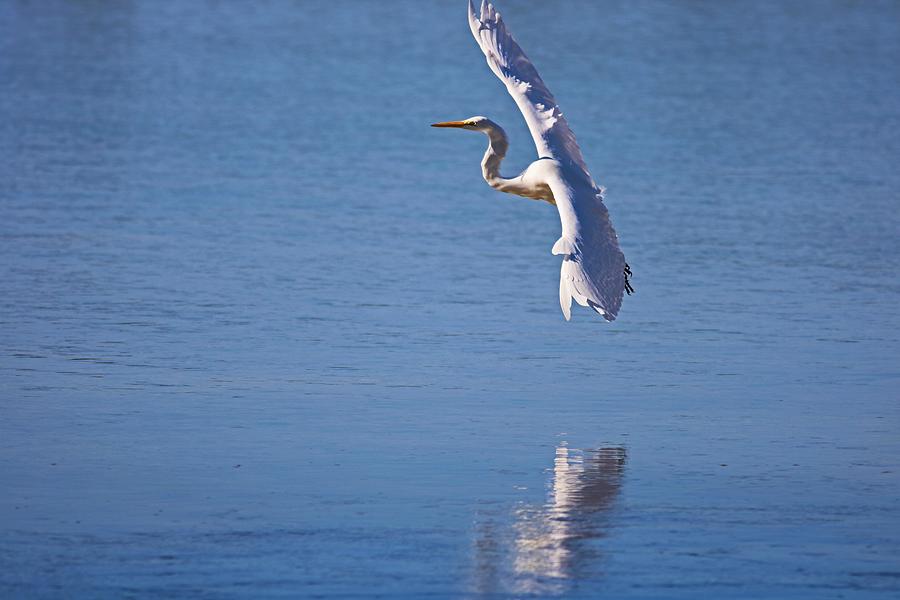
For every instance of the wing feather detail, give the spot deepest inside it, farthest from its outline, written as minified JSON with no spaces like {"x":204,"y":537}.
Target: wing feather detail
{"x":593,"y":268}
{"x":549,"y":129}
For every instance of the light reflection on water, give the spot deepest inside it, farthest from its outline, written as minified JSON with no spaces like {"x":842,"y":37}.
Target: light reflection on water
{"x":553,"y":542}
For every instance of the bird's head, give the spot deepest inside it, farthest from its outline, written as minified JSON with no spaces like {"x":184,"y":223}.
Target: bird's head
{"x":472,"y":124}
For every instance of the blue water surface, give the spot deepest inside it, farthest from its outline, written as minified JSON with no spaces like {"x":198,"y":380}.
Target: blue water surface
{"x":264,"y":333}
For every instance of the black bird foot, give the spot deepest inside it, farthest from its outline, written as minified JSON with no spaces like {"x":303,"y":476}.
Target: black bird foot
{"x":628,"y":289}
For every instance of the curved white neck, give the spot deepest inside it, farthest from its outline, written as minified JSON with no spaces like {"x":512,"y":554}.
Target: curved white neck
{"x":493,"y":156}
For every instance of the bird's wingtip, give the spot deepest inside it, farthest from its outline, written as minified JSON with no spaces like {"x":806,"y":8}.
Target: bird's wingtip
{"x":474,"y":21}
{"x":601,"y":311}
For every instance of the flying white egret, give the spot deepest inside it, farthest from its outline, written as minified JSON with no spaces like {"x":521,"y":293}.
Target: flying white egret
{"x":594,"y":271}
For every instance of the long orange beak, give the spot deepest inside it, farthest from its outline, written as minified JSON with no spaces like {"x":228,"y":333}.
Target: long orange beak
{"x":451,"y":124}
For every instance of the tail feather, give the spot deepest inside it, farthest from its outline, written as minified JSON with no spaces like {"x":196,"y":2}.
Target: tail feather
{"x":565,"y":297}
{"x":564,"y":245}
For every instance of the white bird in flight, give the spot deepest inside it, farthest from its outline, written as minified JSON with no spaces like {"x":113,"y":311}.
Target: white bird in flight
{"x":594,"y":271}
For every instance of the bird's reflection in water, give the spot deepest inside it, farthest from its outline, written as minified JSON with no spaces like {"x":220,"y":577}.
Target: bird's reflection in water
{"x":546,"y":547}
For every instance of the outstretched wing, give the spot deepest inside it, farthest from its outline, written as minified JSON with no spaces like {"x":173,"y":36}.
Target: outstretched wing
{"x":548,"y":127}
{"x":593,"y":268}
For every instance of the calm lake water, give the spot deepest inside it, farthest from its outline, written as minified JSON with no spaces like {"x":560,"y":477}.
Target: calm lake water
{"x":264,"y":333}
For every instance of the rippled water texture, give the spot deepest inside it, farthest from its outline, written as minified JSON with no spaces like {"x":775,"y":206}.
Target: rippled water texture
{"x":265,"y":333}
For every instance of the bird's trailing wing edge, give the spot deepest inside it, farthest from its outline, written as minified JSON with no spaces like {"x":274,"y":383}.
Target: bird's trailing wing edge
{"x":593,"y":268}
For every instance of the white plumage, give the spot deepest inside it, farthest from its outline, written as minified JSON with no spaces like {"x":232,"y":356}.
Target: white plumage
{"x":594,"y":272}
